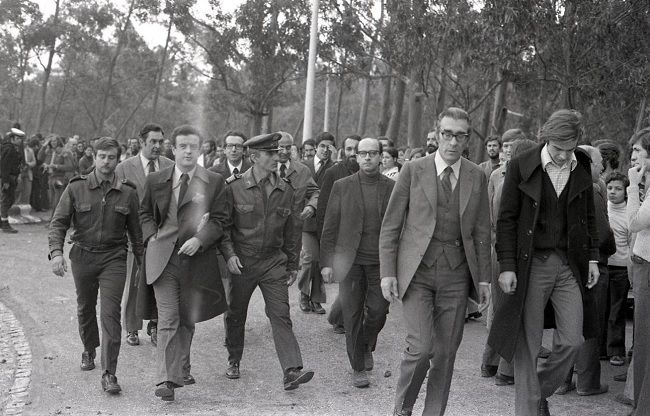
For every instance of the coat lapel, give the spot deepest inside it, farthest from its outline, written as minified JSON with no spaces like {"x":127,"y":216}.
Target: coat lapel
{"x":162,"y":194}
{"x":530,"y":166}
{"x":579,"y":181}
{"x":195,"y":187}
{"x":430,"y":185}
{"x":465,"y":184}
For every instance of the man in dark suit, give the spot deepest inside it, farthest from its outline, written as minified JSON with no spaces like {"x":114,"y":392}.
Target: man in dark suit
{"x":136,"y":169}
{"x":11,"y":161}
{"x":299,"y":175}
{"x":341,"y":169}
{"x":310,"y":281}
{"x":182,"y":215}
{"x":435,"y":252}
{"x":547,"y":248}
{"x":350,"y":254}
{"x":235,"y":162}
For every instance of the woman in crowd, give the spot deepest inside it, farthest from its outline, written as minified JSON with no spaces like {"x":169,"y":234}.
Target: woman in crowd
{"x":389,"y":163}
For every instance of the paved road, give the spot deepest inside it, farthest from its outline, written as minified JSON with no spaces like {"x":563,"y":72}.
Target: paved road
{"x":45,"y":305}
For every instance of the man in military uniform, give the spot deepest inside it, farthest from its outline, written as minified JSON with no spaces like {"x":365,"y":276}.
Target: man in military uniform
{"x":101,"y":210}
{"x":11,"y":160}
{"x":261,"y":248}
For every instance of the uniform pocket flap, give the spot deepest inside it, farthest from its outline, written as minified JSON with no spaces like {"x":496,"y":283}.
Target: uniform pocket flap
{"x":244,"y":208}
{"x":122,"y":210}
{"x":82,"y":207}
{"x":284,"y":212}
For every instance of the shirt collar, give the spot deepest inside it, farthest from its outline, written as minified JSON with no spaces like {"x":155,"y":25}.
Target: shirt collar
{"x":287,"y":164}
{"x":441,"y":165}
{"x":317,"y":162}
{"x":145,"y":163}
{"x":178,"y":173}
{"x":232,"y":167}
{"x":546,"y":159}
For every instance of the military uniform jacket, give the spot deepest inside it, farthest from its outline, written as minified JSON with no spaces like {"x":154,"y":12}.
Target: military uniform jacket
{"x":261,"y":226}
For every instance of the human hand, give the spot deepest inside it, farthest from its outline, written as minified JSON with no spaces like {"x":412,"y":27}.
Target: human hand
{"x":59,"y":266}
{"x":508,"y":282}
{"x":234,"y":265}
{"x":389,"y":288}
{"x":484,"y":296}
{"x":308,"y":212}
{"x":293,"y":274}
{"x":636,"y":173}
{"x":5,"y":186}
{"x":594,"y":275}
{"x":326,"y":272}
{"x":190,"y":247}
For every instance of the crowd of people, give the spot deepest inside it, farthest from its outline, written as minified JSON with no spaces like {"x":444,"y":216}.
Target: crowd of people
{"x":548,"y":233}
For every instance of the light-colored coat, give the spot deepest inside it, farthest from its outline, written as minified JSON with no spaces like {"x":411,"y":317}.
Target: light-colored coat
{"x":410,"y":221}
{"x":132,"y":170}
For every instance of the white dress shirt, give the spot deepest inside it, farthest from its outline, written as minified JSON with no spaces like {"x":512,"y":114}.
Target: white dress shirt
{"x":176,"y":182}
{"x":232,"y":167}
{"x":145,"y":164}
{"x":441,"y":165}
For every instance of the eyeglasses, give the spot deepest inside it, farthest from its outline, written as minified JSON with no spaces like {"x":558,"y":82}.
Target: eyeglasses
{"x":234,"y":146}
{"x":448,"y":135}
{"x":372,"y":153}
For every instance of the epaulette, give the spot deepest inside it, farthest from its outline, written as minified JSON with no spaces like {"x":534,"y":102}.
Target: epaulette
{"x":233,"y":178}
{"x":78,"y":178}
{"x":129,"y":183}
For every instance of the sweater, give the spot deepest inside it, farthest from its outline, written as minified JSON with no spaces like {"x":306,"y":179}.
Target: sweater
{"x":619,"y":223}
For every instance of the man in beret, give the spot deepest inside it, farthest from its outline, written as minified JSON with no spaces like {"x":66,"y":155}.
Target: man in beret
{"x":261,"y":246}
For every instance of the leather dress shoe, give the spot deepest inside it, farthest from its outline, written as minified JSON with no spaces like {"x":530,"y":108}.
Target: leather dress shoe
{"x":542,"y":410}
{"x":132,"y":338}
{"x":165,"y":391}
{"x":622,"y":398}
{"x":368,"y":360}
{"x":87,"y":360}
{"x":317,"y":308}
{"x":109,"y":384}
{"x":360,"y":379}
{"x":294,"y":378}
{"x":305,"y":305}
{"x":620,"y":377}
{"x":503,"y":380}
{"x":489,"y":370}
{"x":544,"y":352}
{"x":603,"y":388}
{"x":565,"y":388}
{"x":188,"y":379}
{"x":402,"y":412}
{"x":339,"y":329}
{"x":233,"y":370}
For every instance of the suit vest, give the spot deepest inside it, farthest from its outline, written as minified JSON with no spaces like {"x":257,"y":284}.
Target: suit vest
{"x":447,"y":239}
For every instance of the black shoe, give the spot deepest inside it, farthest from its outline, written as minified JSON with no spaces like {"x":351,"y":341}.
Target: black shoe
{"x":360,"y":379}
{"x":339,"y":329}
{"x":7,"y":228}
{"x":132,"y":338}
{"x":473,"y":315}
{"x":166,"y":391}
{"x":503,"y":380}
{"x":542,"y":410}
{"x":402,"y":412}
{"x":565,"y":388}
{"x":622,"y":398}
{"x":317,"y":308}
{"x":188,"y":379}
{"x":543,"y":353}
{"x":109,"y":384}
{"x":368,"y":360}
{"x":294,"y":378}
{"x":154,"y":335}
{"x":87,"y":361}
{"x":602,"y":389}
{"x":233,"y":370}
{"x":489,"y":370}
{"x":305,"y":305}
{"x":621,"y":377}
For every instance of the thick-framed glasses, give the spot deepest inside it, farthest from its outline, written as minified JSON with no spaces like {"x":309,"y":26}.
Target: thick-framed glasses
{"x":364,"y":153}
{"x":448,"y":135}
{"x":234,"y":146}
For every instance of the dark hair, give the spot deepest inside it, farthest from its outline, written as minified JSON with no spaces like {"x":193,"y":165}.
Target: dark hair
{"x":149,"y":127}
{"x":492,"y":138}
{"x":107,"y":143}
{"x":185,"y":130}
{"x":512,"y":135}
{"x":213,"y":145}
{"x":617,"y":176}
{"x":392,"y":152}
{"x":455,"y":113}
{"x":417,"y":150}
{"x":562,"y":126}
{"x":610,"y":153}
{"x":310,"y":142}
{"x":643,"y":136}
{"x":325,"y":136}
{"x":234,"y":133}
{"x":390,"y":142}
{"x":353,"y":137}
{"x":520,"y":146}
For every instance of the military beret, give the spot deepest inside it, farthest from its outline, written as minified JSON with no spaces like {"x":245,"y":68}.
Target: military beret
{"x":268,"y":142}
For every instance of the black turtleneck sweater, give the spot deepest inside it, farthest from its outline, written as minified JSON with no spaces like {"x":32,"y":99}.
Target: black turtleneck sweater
{"x":368,"y":251}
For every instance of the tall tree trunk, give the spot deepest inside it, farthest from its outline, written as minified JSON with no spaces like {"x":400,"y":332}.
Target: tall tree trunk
{"x":396,"y":110}
{"x":24,"y":55}
{"x":385,"y":105}
{"x":48,"y":70}
{"x":338,"y":105}
{"x":59,"y":103}
{"x":365,"y":99}
{"x":498,"y":113}
{"x":256,"y":122}
{"x":111,"y":68}
{"x":161,"y":70}
{"x":268,"y":128}
{"x":326,"y":115}
{"x":416,"y":96}
{"x":640,"y":118}
{"x":567,"y":44}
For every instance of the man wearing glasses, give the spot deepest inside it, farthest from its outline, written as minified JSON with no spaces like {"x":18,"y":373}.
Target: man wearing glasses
{"x":235,"y":161}
{"x":434,"y":250}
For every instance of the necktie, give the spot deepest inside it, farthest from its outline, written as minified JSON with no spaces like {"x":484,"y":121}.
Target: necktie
{"x":181,"y":194}
{"x":446,"y":181}
{"x":151,"y":166}
{"x":641,"y":191}
{"x":235,"y":171}
{"x":283,"y":170}
{"x":321,"y":163}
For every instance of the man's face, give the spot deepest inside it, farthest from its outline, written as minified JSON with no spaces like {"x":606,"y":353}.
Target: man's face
{"x":267,"y":161}
{"x":80,"y":147}
{"x":616,"y":192}
{"x":350,"y":149}
{"x":387,"y":160}
{"x":308,"y":152}
{"x":186,"y":151}
{"x":134,"y":145}
{"x":596,"y":166}
{"x":219,"y":152}
{"x":432,"y":142}
{"x":106,"y":161}
{"x":368,"y":155}
{"x":88,"y":152}
{"x":234,"y":149}
{"x":167,"y":144}
{"x":506,"y":148}
{"x":285,"y":144}
{"x":561,"y":152}
{"x":492,"y":148}
{"x":639,"y":154}
{"x":324,"y":150}
{"x":152,"y":145}
{"x":452,"y":139}
{"x":16,"y":140}
{"x":205,"y":148}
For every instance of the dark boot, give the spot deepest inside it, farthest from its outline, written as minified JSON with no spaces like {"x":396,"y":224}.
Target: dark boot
{"x":6,"y":227}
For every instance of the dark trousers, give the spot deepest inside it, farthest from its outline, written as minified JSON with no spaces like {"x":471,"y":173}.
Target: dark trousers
{"x":361,"y":291}
{"x":106,"y":272}
{"x":619,"y":285}
{"x":310,"y":281}
{"x":335,"y":316}
{"x":174,"y":333}
{"x":434,"y":313}
{"x":641,"y":361}
{"x":271,"y":277}
{"x":7,"y":197}
{"x":131,"y":321}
